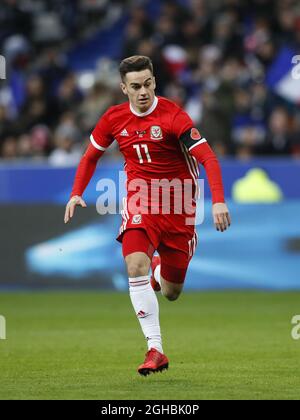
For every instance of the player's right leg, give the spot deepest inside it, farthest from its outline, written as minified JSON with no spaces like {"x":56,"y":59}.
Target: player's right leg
{"x":137,"y":252}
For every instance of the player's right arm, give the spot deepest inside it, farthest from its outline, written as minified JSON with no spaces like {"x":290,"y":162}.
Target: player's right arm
{"x":100,"y":138}
{"x":84,"y":173}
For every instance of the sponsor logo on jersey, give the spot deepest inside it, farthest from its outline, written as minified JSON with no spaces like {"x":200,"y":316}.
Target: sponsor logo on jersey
{"x":141,"y":133}
{"x":124,"y":133}
{"x":137,"y":219}
{"x":195,"y":135}
{"x":156,"y":132}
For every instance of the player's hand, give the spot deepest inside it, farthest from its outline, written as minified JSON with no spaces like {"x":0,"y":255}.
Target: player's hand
{"x":221,"y":216}
{"x":70,"y":208}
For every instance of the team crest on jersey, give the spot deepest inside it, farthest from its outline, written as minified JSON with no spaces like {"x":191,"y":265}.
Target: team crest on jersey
{"x":137,"y":219}
{"x":156,"y":132}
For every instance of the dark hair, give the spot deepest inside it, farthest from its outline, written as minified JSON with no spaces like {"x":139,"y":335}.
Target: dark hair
{"x":135,"y":63}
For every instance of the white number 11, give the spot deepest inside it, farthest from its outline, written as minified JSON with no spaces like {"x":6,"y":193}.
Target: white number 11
{"x":138,"y":151}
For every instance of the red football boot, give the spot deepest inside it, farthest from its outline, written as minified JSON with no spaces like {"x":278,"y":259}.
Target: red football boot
{"x":155,"y":262}
{"x":154,"y":362}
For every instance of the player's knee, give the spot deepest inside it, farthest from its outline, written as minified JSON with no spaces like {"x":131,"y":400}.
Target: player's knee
{"x":172,"y":295}
{"x":137,"y":264}
{"x":137,"y":268}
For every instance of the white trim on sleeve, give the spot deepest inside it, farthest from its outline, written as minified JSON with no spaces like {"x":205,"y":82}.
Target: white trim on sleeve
{"x":198,"y":142}
{"x":96,"y":145}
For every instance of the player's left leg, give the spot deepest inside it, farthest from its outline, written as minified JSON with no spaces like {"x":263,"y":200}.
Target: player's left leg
{"x":168,"y":272}
{"x":170,"y":268}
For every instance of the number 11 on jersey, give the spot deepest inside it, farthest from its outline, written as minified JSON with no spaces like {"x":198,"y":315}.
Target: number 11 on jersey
{"x":138,"y":147}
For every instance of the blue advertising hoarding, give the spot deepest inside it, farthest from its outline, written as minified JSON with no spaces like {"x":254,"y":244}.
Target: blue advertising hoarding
{"x":261,"y":250}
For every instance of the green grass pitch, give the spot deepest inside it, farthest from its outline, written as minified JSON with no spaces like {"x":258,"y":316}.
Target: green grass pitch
{"x":87,"y":345}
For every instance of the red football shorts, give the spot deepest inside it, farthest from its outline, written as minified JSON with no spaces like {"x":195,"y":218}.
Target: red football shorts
{"x":174,"y":240}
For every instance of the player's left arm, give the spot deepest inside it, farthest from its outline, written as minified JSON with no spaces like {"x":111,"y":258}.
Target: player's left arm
{"x":200,"y":149}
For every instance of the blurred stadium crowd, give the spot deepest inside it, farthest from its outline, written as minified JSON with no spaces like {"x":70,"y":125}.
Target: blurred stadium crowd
{"x":212,"y":57}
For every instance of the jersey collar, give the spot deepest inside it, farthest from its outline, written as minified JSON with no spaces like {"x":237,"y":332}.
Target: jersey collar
{"x":150,"y":110}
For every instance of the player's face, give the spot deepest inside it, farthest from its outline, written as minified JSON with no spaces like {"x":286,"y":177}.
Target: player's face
{"x":139,"y":86}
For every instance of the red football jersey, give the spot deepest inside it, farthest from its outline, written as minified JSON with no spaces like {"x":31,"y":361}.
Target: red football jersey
{"x":149,"y":142}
